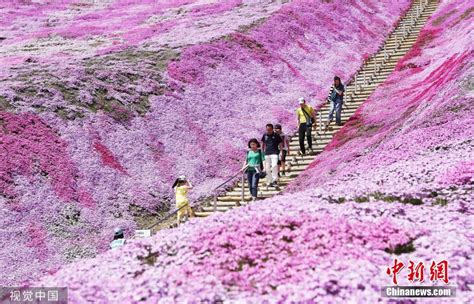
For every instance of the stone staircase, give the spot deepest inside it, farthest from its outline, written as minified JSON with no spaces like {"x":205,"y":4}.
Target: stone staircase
{"x":373,"y":72}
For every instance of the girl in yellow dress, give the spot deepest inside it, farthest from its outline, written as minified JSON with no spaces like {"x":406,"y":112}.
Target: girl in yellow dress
{"x":181,"y":187}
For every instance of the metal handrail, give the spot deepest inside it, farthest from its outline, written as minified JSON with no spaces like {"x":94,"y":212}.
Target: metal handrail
{"x":226,"y":182}
{"x":174,"y":212}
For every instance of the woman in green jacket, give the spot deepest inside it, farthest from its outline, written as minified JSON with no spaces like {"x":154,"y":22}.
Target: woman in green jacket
{"x":254,"y":165}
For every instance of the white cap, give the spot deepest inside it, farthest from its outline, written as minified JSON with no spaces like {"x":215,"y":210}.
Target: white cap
{"x":118,"y":230}
{"x":301,"y":100}
{"x":182,"y":177}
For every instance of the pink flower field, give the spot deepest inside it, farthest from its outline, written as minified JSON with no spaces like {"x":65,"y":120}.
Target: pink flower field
{"x":103,"y":104}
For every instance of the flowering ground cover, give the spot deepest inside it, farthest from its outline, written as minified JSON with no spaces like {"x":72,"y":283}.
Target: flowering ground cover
{"x":103,"y":104}
{"x":396,"y":182}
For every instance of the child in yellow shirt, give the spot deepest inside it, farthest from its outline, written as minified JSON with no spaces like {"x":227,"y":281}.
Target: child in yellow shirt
{"x":181,"y":187}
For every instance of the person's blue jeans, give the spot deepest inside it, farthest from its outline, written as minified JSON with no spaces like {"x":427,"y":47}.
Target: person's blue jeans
{"x":253,"y":177}
{"x":336,"y":106}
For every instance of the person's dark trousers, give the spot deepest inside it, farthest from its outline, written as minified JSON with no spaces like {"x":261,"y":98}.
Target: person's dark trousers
{"x":253,"y":178}
{"x":301,"y":132}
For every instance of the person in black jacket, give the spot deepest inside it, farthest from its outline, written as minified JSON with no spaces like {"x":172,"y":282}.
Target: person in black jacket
{"x":271,"y":146}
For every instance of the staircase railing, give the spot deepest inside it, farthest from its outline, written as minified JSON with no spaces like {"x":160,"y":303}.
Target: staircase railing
{"x":214,"y":194}
{"x":415,"y":13}
{"x":232,"y":178}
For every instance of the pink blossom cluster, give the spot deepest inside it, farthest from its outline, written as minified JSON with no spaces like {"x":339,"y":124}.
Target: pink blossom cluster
{"x":105,"y":103}
{"x":277,"y":250}
{"x":396,"y":182}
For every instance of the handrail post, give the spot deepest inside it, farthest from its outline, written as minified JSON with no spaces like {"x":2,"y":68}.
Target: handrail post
{"x":215,"y":202}
{"x":242,"y":191}
{"x":320,"y":122}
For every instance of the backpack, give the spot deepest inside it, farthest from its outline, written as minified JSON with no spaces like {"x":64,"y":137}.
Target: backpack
{"x":333,"y":94}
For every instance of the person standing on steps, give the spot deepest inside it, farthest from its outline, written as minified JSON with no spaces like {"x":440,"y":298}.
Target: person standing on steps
{"x":284,"y":151}
{"x":272,"y":145}
{"x":254,"y":166}
{"x":181,"y":187}
{"x":306,"y":118}
{"x":336,"y":98}
{"x":119,"y":239}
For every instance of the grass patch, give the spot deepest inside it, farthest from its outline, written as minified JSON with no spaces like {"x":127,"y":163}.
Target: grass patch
{"x":440,"y":201}
{"x":149,"y":258}
{"x":4,"y":104}
{"x":361,"y":199}
{"x":339,"y":200}
{"x":464,"y":15}
{"x":412,"y":200}
{"x":393,"y":198}
{"x":248,"y":27}
{"x":401,"y":248}
{"x":244,"y":261}
{"x":442,"y":18}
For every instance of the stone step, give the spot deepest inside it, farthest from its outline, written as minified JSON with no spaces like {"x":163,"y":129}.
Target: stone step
{"x":410,"y":39}
{"x":384,"y":72}
{"x":345,"y":113}
{"x":316,"y":136}
{"x":318,"y":144}
{"x":400,"y":31}
{"x":237,"y":191}
{"x":348,"y":106}
{"x":386,"y":66}
{"x":247,"y":198}
{"x":203,"y":213}
{"x":224,"y":204}
{"x":301,"y":157}
{"x":284,"y":181}
{"x":316,"y":150}
{"x":219,"y":208}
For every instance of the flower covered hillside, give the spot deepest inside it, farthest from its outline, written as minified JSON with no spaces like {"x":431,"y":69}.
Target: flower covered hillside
{"x":396,"y":183}
{"x":268,"y":251}
{"x":127,"y":95}
{"x":414,"y":134}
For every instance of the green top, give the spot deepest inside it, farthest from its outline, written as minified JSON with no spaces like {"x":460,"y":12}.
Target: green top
{"x":253,"y":158}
